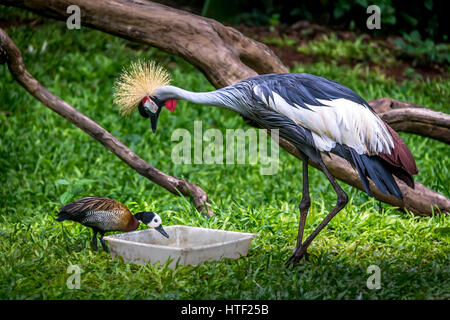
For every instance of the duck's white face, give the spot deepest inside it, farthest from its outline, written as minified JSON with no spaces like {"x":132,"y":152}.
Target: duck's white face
{"x":155,"y":222}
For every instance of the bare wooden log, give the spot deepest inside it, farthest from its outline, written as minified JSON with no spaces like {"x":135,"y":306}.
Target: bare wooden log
{"x":11,"y":54}
{"x":222,"y":53}
{"x":413,"y":118}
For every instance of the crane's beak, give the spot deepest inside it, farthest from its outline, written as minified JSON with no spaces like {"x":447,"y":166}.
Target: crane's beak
{"x":161,"y":230}
{"x":154,"y":119}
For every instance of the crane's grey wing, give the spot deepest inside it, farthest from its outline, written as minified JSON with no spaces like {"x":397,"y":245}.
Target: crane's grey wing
{"x":332,"y":112}
{"x":287,"y":129}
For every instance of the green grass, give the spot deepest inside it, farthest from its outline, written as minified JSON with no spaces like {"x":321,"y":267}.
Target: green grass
{"x":353,"y":51}
{"x":285,"y":41}
{"x":45,"y":161}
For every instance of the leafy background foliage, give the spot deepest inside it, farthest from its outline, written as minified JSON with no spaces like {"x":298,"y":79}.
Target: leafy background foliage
{"x":397,"y":17}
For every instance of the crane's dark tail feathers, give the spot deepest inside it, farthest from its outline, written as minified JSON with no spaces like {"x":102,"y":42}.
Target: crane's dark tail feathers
{"x":400,"y":159}
{"x":381,"y":168}
{"x":378,"y":171}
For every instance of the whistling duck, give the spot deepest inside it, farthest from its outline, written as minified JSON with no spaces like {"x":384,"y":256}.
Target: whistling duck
{"x":104,"y":215}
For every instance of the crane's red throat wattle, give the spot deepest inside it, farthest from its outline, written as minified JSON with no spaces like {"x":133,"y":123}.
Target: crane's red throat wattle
{"x":171,"y":104}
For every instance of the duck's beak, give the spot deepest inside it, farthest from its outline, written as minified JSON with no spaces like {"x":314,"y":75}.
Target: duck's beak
{"x":154,"y":119}
{"x":161,"y":230}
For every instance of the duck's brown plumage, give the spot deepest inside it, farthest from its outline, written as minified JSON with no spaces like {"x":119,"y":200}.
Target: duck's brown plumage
{"x":102,"y":213}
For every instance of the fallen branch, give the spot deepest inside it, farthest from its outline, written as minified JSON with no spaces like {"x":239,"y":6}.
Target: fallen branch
{"x":10,"y":54}
{"x":222,"y":53}
{"x":413,"y":118}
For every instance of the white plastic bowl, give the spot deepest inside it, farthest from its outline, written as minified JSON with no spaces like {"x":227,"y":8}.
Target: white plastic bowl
{"x":187,"y":245}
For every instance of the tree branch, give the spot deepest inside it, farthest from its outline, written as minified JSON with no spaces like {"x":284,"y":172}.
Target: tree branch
{"x":10,"y":54}
{"x":413,"y":118}
{"x":225,"y":56}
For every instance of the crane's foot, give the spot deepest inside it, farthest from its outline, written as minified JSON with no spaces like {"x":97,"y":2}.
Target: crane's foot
{"x":298,"y":255}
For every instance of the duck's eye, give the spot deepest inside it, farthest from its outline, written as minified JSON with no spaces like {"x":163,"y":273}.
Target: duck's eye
{"x":156,"y":220}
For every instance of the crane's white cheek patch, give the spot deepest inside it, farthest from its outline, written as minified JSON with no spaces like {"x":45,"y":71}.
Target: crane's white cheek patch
{"x":150,"y":105}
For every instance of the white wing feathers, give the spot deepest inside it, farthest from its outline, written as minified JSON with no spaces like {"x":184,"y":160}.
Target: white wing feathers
{"x":337,"y":121}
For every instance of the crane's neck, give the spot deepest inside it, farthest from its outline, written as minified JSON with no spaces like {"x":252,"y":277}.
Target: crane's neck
{"x":218,"y":98}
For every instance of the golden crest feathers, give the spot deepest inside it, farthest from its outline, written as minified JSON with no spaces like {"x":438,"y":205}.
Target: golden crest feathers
{"x":140,"y":79}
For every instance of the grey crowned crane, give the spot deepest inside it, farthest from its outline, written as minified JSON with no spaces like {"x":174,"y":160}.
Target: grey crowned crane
{"x":313,"y":113}
{"x":104,"y":215}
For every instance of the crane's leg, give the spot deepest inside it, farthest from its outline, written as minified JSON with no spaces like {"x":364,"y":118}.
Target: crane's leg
{"x":303,"y":207}
{"x":102,"y":241}
{"x":305,"y":203}
{"x":342,"y":200}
